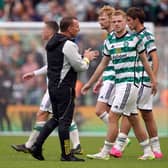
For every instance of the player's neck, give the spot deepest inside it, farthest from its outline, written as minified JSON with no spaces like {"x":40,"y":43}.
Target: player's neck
{"x":67,"y":34}
{"x":139,"y":28}
{"x":121,"y":33}
{"x":50,"y":36}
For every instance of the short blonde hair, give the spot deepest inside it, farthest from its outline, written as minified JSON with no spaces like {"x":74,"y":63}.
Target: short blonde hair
{"x":109,"y":10}
{"x":120,"y":12}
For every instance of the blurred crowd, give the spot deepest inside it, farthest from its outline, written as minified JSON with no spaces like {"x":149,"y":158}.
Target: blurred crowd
{"x":85,"y":10}
{"x":17,"y":61}
{"x":19,"y":54}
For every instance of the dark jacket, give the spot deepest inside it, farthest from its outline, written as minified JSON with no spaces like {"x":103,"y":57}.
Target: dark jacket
{"x":64,"y":61}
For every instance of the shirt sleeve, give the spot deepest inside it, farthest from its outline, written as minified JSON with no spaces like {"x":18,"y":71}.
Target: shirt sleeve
{"x":105,"y":50}
{"x":71,"y":52}
{"x":150,"y":43}
{"x":41,"y":71}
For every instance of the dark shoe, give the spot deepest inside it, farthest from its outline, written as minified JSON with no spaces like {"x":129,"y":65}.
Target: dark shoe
{"x":78,"y":150}
{"x":36,"y":152}
{"x":20,"y":148}
{"x":72,"y":158}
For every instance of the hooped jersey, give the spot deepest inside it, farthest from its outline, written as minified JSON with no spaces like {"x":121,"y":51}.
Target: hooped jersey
{"x":149,"y":42}
{"x":124,"y":52}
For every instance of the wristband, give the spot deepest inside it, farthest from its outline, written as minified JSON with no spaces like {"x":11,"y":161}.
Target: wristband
{"x":86,"y":60}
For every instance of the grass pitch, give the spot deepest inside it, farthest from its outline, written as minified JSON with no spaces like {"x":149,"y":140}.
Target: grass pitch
{"x":12,"y":159}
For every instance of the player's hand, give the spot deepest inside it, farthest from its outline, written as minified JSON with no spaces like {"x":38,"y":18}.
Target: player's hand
{"x":97,"y":87}
{"x":154,"y":88}
{"x":28,"y":76}
{"x":85,"y":88}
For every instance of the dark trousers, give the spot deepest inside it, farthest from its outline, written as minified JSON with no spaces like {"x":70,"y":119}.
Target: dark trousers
{"x":62,"y":100}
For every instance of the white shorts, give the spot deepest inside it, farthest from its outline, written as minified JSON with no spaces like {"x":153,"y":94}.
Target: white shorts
{"x":46,"y":103}
{"x":112,"y":95}
{"x":125,"y":99}
{"x":145,"y":98}
{"x":105,"y":91}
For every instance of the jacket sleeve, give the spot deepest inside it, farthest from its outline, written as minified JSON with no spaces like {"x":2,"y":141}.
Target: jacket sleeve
{"x":71,"y":52}
{"x":41,"y":71}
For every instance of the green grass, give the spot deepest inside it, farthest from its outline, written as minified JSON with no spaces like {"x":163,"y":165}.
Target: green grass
{"x":12,"y":159}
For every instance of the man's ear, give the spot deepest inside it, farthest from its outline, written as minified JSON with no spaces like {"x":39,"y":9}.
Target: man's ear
{"x":137,"y":20}
{"x":69,"y":29}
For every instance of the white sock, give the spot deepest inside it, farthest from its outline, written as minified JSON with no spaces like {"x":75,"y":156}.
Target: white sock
{"x":120,"y":141}
{"x":104,"y":116}
{"x":146,"y":146}
{"x":74,"y":134}
{"x":155,"y":144}
{"x":107,"y":147}
{"x":34,"y":134}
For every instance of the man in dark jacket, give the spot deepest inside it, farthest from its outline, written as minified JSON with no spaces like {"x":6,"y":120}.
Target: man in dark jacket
{"x":64,"y":61}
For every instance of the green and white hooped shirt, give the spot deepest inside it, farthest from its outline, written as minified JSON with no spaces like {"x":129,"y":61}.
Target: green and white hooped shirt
{"x":149,"y":42}
{"x":124,"y":52}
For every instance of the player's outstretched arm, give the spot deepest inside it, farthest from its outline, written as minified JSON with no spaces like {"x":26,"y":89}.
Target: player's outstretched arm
{"x":98,"y":72}
{"x":30,"y":75}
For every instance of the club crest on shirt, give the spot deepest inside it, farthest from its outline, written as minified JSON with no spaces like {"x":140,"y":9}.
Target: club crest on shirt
{"x":118,"y":50}
{"x":126,"y":44}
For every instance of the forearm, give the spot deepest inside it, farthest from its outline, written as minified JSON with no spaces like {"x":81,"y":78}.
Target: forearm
{"x":100,"y":79}
{"x":96,"y":75}
{"x":149,"y":71}
{"x":155,"y":63}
